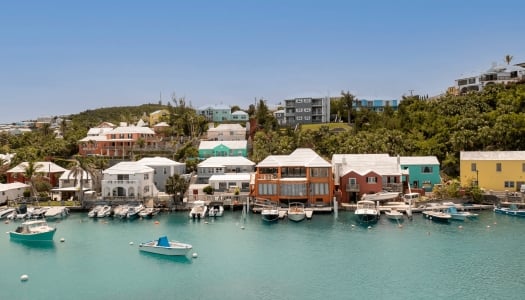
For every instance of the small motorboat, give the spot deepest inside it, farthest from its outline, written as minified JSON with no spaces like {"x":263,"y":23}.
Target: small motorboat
{"x":93,"y":213}
{"x":270,"y":214}
{"x":33,"y":231}
{"x":134,"y":210}
{"x":121,"y":211}
{"x":199,"y":209}
{"x":56,"y":212}
{"x":105,"y":211}
{"x":460,"y":215}
{"x":4,"y":213}
{"x":149,"y":212}
{"x":215,"y":209}
{"x":366,"y":211}
{"x":394,"y":214}
{"x":164,"y":246}
{"x":438,"y":216}
{"x":296,"y":211}
{"x":512,"y":210}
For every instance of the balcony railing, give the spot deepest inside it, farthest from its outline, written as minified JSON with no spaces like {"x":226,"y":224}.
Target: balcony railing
{"x":352,"y":188}
{"x":120,"y":182}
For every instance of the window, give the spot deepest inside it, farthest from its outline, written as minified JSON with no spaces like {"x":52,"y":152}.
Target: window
{"x":498,"y":167}
{"x":299,"y":101}
{"x":307,"y":109}
{"x":318,"y":172}
{"x":371,"y":180}
{"x":306,"y":118}
{"x":299,"y":118}
{"x":293,"y":189}
{"x":352,"y":181}
{"x":164,"y":170}
{"x":319,"y":189}
{"x":509,"y":184}
{"x":267,"y":189}
{"x":298,"y":110}
{"x":146,"y":176}
{"x":426,"y":169}
{"x":473,"y":167}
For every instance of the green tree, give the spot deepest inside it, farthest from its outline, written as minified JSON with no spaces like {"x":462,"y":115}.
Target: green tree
{"x":177,"y":186}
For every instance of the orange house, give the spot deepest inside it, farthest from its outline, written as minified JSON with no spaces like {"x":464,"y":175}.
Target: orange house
{"x":118,"y":142}
{"x":303,"y":176}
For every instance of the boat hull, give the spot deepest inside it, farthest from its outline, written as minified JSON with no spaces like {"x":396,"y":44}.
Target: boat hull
{"x":270,"y":215}
{"x":394,"y":216}
{"x":296,"y":217}
{"x":366,"y":218}
{"x":33,"y":237}
{"x":177,"y":249}
{"x":510,"y":212}
{"x":437,"y":217}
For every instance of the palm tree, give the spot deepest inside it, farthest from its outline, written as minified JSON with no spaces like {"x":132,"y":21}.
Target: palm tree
{"x":30,"y":172}
{"x":348,"y":101}
{"x":81,"y":167}
{"x":508,"y":59}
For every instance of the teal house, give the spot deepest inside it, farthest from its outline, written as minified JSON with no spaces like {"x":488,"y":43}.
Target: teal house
{"x":423,"y":171}
{"x":223,"y":148}
{"x":215,"y":113}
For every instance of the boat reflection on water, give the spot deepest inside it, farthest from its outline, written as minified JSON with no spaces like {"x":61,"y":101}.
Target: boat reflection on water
{"x":35,"y":245}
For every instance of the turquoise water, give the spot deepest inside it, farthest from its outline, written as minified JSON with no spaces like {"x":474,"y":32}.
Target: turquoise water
{"x":314,"y":259}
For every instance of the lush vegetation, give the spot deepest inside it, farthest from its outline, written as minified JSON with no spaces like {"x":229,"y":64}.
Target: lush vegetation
{"x":493,"y":119}
{"x":490,"y":120}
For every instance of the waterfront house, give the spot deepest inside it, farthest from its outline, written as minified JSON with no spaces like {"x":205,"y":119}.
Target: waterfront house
{"x":358,"y":174}
{"x":46,"y":169}
{"x":69,"y":186}
{"x":163,"y":168}
{"x":424,"y":171}
{"x":119,"y":141}
{"x":227,"y":132}
{"x":11,"y":191}
{"x":128,"y":181}
{"x":223,"y":148}
{"x":493,"y":170}
{"x":302,"y":176}
{"x":230,"y":182}
{"x":223,"y":165}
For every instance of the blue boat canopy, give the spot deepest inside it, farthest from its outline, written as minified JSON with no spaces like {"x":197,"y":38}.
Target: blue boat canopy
{"x":163,"y":242}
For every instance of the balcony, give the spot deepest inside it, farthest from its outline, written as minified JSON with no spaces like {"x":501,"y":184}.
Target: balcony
{"x":120,"y":182}
{"x":267,"y":176}
{"x":353,"y":188}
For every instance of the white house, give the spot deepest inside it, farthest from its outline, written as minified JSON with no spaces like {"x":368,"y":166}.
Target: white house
{"x":163,"y":169}
{"x":231,"y":181}
{"x":69,"y":186}
{"x":130,"y":181}
{"x":223,"y":165}
{"x":11,"y":191}
{"x":227,"y":132}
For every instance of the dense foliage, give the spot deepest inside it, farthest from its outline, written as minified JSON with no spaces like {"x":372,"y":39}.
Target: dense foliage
{"x":493,"y":119}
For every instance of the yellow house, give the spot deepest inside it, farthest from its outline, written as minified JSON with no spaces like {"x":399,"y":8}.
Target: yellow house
{"x":493,"y":170}
{"x":156,"y":116}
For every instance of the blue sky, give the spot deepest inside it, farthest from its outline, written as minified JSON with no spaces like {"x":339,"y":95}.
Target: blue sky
{"x":63,"y":57}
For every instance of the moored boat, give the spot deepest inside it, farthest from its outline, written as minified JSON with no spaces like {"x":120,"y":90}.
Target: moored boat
{"x":270,"y":214}
{"x":93,"y":213}
{"x":6,"y":212}
{"x":512,"y":210}
{"x":165,"y":247}
{"x":215,"y":209}
{"x":296,"y":211}
{"x":381,"y":196}
{"x":134,"y":210}
{"x":149,"y":212}
{"x":436,"y":215}
{"x":105,"y":211}
{"x":121,"y":211}
{"x":33,"y":231}
{"x":56,"y":212}
{"x":199,"y":209}
{"x":460,"y":215}
{"x":394,"y":214}
{"x":366,"y":211}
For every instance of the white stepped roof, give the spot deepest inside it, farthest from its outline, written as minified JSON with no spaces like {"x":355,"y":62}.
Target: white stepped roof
{"x":128,"y":167}
{"x":158,"y":161}
{"x":303,"y":157}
